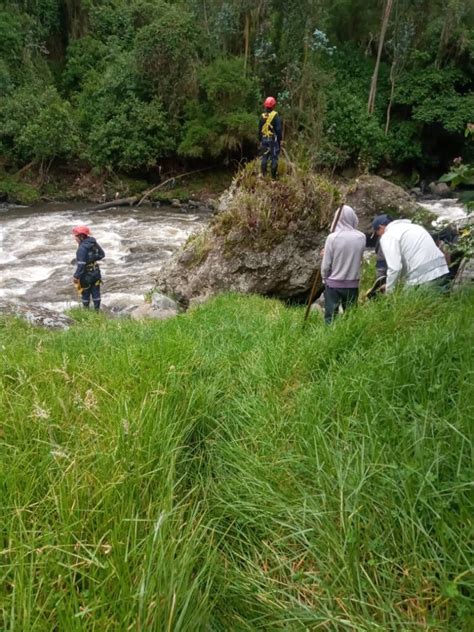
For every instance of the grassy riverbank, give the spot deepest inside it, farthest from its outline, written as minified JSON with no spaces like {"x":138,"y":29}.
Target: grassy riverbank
{"x":228,"y":470}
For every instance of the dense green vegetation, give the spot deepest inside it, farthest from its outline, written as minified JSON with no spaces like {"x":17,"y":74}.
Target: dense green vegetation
{"x":230,"y":470}
{"x":123,"y":85}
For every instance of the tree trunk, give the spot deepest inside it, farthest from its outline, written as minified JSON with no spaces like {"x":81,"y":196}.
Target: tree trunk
{"x":130,"y":201}
{"x":246,"y":40}
{"x":383,"y":30}
{"x":301,"y":87}
{"x":206,"y":20}
{"x":390,"y":101}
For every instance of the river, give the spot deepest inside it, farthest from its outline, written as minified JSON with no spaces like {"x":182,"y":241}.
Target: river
{"x":36,"y":249}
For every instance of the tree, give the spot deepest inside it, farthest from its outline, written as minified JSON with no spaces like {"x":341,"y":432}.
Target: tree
{"x":166,"y":56}
{"x":225,"y":117}
{"x":121,"y":129}
{"x":383,"y":29}
{"x":37,"y":125}
{"x":400,"y":45}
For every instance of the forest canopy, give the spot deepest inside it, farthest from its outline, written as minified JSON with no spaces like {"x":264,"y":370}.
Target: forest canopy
{"x":125,"y":84}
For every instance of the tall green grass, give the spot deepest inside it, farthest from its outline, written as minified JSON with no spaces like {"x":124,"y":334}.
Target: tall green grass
{"x":232,"y":470}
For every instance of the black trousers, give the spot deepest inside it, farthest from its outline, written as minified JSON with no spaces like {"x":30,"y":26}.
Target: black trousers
{"x":270,"y":151}
{"x":333,"y":297}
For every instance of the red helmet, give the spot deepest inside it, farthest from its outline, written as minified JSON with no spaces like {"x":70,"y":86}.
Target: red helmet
{"x":269,"y":102}
{"x":81,"y":230}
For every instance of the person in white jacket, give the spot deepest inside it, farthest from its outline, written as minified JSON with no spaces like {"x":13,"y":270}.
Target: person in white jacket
{"x":411,"y":253}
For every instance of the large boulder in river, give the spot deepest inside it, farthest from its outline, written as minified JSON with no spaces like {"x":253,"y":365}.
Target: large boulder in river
{"x":265,"y":238}
{"x":372,"y":195}
{"x":267,"y":235}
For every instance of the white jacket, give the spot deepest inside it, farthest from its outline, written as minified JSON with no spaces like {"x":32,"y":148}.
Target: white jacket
{"x":409,"y":250}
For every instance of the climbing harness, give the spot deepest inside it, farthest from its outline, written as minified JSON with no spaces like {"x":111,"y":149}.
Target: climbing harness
{"x":267,"y":128}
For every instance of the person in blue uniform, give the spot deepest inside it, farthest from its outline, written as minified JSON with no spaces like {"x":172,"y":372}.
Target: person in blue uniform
{"x":87,"y":277}
{"x":270,"y":134}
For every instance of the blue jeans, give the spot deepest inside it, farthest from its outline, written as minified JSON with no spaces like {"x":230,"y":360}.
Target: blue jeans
{"x":335,"y":296}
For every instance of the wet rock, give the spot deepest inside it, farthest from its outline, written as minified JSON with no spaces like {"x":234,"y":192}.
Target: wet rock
{"x":211,"y":204}
{"x":440,"y":189}
{"x":175,"y":203}
{"x":38,"y":316}
{"x":416,"y":192}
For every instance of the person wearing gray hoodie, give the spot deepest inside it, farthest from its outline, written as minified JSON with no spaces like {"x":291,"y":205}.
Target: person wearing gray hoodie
{"x":342,"y":259}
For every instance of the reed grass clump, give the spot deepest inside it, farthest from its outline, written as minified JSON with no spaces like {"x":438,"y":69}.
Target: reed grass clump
{"x":230,"y":470}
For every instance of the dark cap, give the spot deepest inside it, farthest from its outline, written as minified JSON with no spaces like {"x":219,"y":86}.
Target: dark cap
{"x":380,"y":220}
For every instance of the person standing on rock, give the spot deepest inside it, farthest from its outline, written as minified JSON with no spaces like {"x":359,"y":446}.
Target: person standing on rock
{"x":411,"y":252}
{"x":342,"y":259}
{"x":270,"y":134}
{"x":87,"y":277}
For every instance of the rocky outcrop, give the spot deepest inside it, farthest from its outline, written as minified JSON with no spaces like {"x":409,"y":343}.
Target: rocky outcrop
{"x":372,"y":195}
{"x":266,"y":238}
{"x":283,"y":271}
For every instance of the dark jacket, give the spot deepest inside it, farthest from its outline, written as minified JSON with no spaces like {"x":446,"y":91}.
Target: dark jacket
{"x":88,"y":252}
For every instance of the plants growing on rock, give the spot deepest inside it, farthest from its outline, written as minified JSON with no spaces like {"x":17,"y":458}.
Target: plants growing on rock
{"x":261,"y":212}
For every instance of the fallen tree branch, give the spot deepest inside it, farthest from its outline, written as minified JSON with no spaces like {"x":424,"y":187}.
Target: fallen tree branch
{"x":162,"y":184}
{"x":130,"y":201}
{"x":136,"y":200}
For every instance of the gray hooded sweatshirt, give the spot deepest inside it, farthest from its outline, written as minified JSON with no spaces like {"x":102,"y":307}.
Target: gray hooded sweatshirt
{"x":343,"y":252}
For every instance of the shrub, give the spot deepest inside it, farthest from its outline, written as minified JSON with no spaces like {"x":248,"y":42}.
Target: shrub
{"x":18,"y":192}
{"x":357,"y":134}
{"x":83,"y":56}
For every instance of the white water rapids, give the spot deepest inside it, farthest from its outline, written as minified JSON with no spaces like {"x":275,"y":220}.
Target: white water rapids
{"x":36,"y":249}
